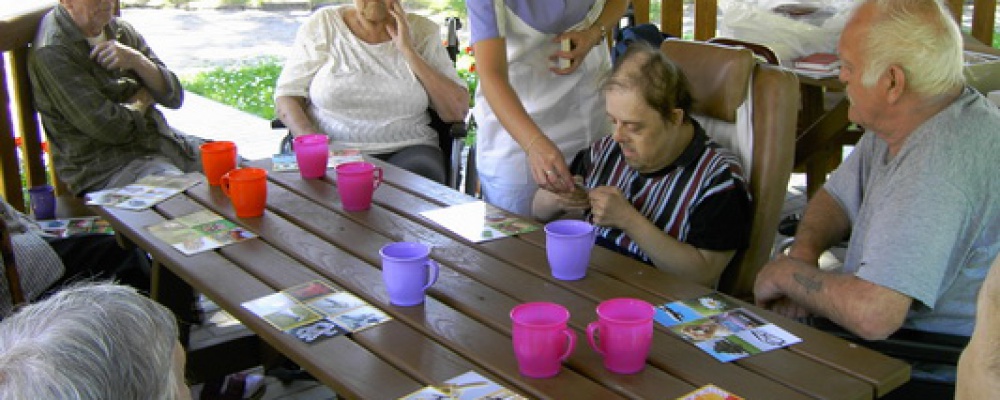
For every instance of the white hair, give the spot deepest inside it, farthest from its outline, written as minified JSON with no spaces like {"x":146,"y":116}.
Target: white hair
{"x":922,"y":38}
{"x":90,"y":341}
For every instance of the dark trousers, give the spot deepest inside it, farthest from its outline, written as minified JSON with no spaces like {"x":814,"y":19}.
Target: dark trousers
{"x":94,"y":256}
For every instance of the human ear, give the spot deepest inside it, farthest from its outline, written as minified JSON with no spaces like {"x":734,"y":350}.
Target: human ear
{"x":896,"y":82}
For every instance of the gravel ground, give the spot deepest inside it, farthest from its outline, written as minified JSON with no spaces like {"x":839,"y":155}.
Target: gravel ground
{"x":189,"y":41}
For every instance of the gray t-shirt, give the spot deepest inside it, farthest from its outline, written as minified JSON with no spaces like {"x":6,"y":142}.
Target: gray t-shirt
{"x":926,"y":222}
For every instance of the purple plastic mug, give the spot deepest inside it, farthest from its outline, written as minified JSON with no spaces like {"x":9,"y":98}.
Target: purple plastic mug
{"x":625,"y":330}
{"x":43,"y":202}
{"x":356,"y":182}
{"x":541,"y":339}
{"x":311,"y":153}
{"x":568,"y":243}
{"x":407,"y":271}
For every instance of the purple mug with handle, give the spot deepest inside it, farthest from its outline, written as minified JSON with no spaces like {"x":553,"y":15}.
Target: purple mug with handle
{"x":407,"y":271}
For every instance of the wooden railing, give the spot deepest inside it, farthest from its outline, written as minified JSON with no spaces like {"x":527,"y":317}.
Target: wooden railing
{"x":18,"y":22}
{"x":706,"y":17}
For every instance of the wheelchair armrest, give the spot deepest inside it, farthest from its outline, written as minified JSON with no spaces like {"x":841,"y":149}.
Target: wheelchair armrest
{"x":458,"y":130}
{"x":906,"y":344}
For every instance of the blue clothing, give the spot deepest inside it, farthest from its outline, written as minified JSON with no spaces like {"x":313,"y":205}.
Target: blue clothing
{"x":548,"y":16}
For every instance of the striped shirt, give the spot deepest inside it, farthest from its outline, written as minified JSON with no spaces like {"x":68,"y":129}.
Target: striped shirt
{"x":700,"y":199}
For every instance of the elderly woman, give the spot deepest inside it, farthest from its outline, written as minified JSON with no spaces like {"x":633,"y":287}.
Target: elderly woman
{"x":92,"y":341}
{"x":365,"y":74}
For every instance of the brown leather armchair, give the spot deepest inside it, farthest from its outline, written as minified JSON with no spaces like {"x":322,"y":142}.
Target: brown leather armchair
{"x":722,"y":78}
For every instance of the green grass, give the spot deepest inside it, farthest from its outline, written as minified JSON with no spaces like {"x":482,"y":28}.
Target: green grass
{"x":248,"y":87}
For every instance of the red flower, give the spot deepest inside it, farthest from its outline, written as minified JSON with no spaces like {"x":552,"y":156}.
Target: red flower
{"x":17,"y":141}
{"x":468,"y":50}
{"x":472,"y":68}
{"x":45,"y":147}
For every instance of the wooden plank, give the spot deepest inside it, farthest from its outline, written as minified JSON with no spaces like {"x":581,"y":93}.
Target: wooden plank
{"x":435,"y":319}
{"x":27,"y":118}
{"x":672,"y":17}
{"x":706,"y":15}
{"x":984,"y":20}
{"x":365,"y":376}
{"x":882,"y":372}
{"x":641,"y":10}
{"x":595,"y":288}
{"x":10,"y":177}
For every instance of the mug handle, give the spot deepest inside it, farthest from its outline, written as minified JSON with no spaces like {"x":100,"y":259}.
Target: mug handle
{"x":224,"y":184}
{"x":433,"y":269}
{"x":378,"y":177}
{"x":571,"y":343}
{"x":591,"y":328}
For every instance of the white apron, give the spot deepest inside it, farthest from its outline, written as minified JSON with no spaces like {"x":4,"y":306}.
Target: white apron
{"x":569,"y":109}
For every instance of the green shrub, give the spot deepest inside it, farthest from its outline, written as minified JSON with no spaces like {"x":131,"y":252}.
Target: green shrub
{"x":248,"y":87}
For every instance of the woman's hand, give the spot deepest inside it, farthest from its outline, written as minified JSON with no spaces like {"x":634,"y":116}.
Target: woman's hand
{"x":548,"y":166}
{"x":400,"y":31}
{"x":580,"y":43}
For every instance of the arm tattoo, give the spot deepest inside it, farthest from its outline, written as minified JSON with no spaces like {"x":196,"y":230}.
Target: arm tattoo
{"x":810,"y":284}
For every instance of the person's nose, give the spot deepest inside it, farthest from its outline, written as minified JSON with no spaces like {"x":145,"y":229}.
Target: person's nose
{"x":618,"y":133}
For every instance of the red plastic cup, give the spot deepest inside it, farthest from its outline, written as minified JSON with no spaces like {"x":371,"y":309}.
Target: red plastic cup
{"x":407,"y":271}
{"x":625,"y":329}
{"x":356,"y":182}
{"x":541,"y":339}
{"x":247,"y":189}
{"x":311,"y":153}
{"x":568,"y":244}
{"x":217,"y":158}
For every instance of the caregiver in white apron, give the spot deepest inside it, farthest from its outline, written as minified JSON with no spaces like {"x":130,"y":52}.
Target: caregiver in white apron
{"x":532,"y":115}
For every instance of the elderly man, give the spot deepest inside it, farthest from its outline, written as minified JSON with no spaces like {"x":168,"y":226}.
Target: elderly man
{"x":96,"y":83}
{"x":662,"y":192}
{"x":918,"y":195}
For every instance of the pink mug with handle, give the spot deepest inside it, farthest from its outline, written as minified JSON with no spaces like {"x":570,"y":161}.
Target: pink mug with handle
{"x":542,"y":341}
{"x":625,"y":330}
{"x":356,"y":183}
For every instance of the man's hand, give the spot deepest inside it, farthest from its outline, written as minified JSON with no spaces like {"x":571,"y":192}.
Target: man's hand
{"x":140,"y":101}
{"x":610,"y":208}
{"x":768,"y":293}
{"x":113,"y":55}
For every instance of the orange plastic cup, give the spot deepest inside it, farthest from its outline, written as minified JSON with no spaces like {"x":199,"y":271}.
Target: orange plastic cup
{"x":247,"y":189}
{"x":217,"y":158}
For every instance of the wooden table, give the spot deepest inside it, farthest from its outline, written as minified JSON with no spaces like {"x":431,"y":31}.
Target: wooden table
{"x":464,"y":324}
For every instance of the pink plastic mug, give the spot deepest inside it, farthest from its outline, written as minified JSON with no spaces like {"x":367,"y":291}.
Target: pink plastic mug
{"x":625,"y":330}
{"x":407,"y":271}
{"x":247,"y":188}
{"x":568,"y":244}
{"x":541,"y":339}
{"x":311,"y":153}
{"x":356,"y":182}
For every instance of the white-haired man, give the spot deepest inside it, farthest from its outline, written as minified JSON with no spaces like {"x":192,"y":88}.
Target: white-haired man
{"x":918,"y":195}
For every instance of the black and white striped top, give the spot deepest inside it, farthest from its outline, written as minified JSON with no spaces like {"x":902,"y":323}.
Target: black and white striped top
{"x":700,"y":199}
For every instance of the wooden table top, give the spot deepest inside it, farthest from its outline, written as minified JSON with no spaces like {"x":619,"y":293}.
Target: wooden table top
{"x":464,"y":324}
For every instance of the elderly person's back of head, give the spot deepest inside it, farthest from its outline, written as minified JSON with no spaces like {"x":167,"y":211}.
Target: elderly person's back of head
{"x":92,"y":341}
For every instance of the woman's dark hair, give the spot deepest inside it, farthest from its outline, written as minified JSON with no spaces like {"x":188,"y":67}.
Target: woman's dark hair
{"x":647,"y":70}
